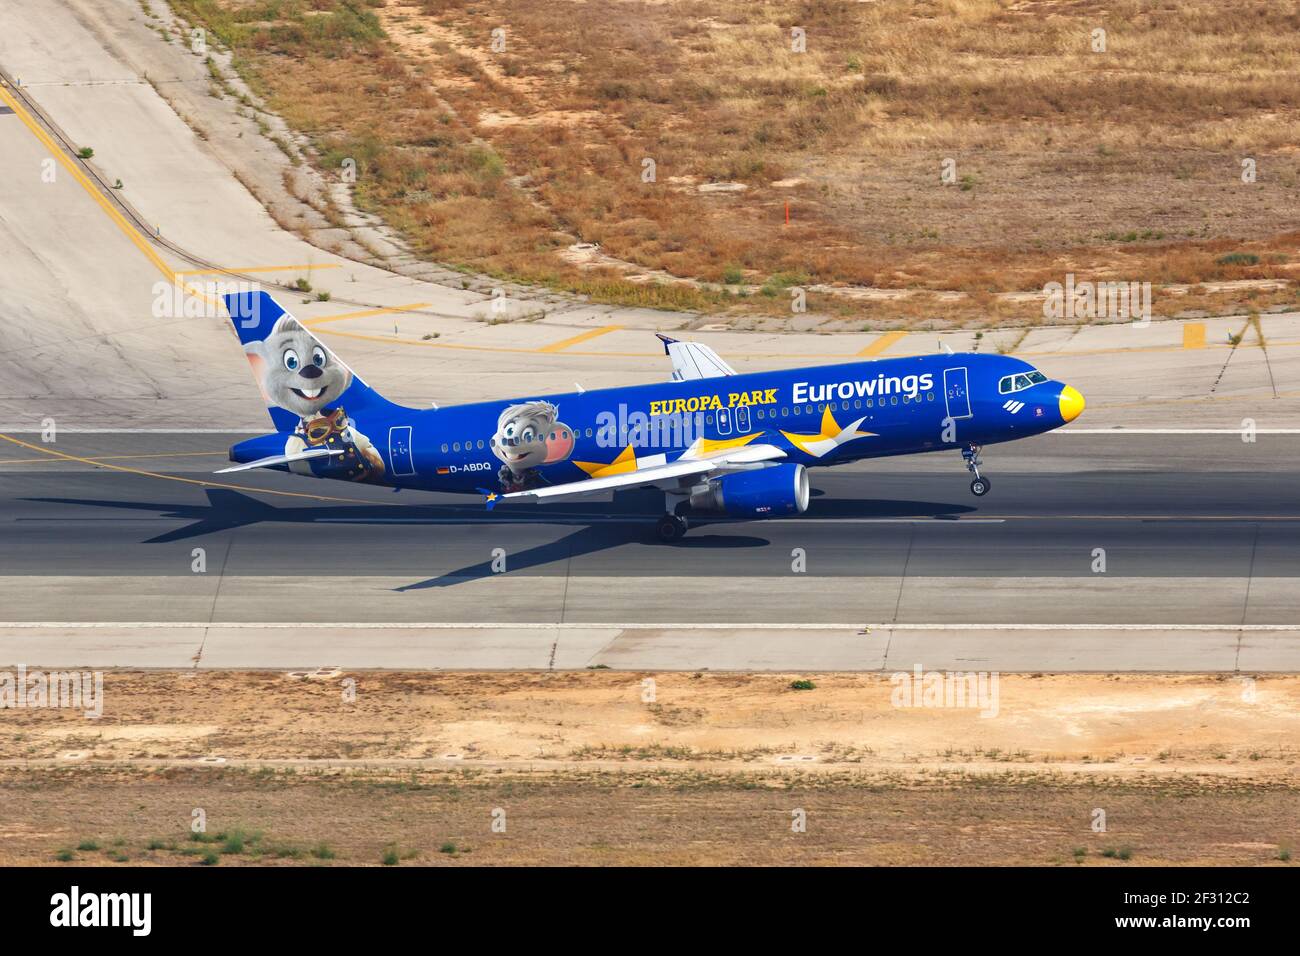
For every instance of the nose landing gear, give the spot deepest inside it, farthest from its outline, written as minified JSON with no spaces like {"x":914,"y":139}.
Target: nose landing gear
{"x":981,"y":485}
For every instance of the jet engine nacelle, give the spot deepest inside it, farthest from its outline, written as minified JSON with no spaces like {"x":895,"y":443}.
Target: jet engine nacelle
{"x":761,"y":493}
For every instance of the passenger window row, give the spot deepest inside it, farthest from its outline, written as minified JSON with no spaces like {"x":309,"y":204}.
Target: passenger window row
{"x":858,"y":404}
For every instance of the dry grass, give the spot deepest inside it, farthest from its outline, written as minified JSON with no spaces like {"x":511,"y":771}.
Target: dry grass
{"x":350,"y":818}
{"x":1122,"y":164}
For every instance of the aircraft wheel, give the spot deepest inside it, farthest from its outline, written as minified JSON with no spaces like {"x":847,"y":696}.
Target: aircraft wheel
{"x":671,"y":528}
{"x":980,"y":487}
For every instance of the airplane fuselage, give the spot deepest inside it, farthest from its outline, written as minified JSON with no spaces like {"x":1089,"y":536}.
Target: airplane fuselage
{"x":818,"y":416}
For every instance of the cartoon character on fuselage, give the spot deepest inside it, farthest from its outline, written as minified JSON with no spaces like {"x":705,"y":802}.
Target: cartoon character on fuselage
{"x":528,"y":436}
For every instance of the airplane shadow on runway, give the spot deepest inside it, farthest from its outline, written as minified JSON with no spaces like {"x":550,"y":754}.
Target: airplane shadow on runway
{"x":601,"y":526}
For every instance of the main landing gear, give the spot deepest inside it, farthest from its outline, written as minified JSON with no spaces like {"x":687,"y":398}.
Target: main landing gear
{"x":673,"y":524}
{"x":671,"y":528}
{"x":981,"y":485}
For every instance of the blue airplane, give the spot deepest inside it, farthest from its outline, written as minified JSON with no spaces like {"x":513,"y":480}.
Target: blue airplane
{"x":715,"y":442}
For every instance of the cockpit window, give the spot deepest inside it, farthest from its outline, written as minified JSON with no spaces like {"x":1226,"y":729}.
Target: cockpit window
{"x":1020,"y":381}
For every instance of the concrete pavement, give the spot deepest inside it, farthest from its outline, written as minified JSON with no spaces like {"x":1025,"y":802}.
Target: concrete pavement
{"x":817,"y":648}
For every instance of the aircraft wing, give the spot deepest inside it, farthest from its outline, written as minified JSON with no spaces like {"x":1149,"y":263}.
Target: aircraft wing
{"x":282,"y":460}
{"x":691,"y":360}
{"x":670,"y":474}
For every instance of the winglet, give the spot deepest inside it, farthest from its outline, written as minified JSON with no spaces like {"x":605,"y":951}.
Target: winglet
{"x":667,"y":341}
{"x":489,"y":497}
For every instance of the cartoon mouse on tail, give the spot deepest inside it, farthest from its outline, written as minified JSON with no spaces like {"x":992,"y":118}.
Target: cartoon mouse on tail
{"x":297,"y":374}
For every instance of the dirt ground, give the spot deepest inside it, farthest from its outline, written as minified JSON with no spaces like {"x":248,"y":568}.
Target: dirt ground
{"x":604,"y":767}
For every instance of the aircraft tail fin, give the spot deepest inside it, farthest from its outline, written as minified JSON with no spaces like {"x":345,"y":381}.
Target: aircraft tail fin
{"x":300,"y":378}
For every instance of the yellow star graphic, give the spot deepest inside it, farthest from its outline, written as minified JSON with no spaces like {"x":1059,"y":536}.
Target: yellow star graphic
{"x":707,"y":447}
{"x":624,"y":463}
{"x":829,"y":438}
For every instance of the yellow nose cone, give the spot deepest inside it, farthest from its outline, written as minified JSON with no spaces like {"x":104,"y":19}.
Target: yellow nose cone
{"x":1071,"y":403}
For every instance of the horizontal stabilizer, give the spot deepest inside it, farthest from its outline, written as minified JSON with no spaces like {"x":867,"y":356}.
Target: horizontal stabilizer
{"x":274,"y":460}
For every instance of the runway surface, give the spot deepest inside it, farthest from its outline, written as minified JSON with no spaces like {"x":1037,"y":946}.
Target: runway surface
{"x":1158,"y":506}
{"x":1198,"y":534}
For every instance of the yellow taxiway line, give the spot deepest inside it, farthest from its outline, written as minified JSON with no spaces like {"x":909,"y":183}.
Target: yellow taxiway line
{"x":578,"y":339}
{"x":185,"y":481}
{"x":98,"y":458}
{"x":251,"y":269}
{"x":841,"y":356}
{"x":57,"y":152}
{"x":409,"y":307}
{"x":80,"y":177}
{"x":881,"y":343}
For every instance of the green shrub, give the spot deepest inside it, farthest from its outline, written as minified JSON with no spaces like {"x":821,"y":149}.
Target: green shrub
{"x":1238,"y":259}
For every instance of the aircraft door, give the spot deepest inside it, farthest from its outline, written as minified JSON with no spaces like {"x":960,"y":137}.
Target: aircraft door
{"x":742,"y":419}
{"x":724,"y":421}
{"x":399,"y":450}
{"x":956,"y":393}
